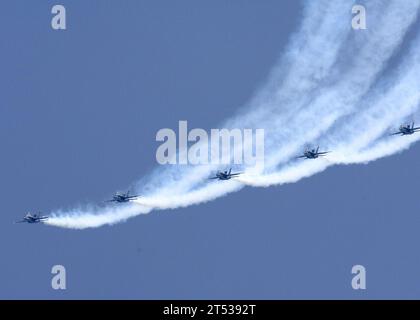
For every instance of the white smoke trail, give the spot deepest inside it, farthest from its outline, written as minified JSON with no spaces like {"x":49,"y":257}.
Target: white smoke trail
{"x":293,"y":81}
{"x":305,"y":65}
{"x":338,"y":100}
{"x":374,"y":48}
{"x":89,"y":218}
{"x":200,"y":195}
{"x":308,"y":66}
{"x":363,"y":137}
{"x":299,"y":106}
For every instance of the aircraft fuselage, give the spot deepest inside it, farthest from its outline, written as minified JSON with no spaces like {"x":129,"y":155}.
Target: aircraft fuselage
{"x":311,"y":155}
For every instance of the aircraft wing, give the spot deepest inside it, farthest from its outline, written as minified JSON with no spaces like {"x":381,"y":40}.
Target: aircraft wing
{"x":301,"y":157}
{"x":235,"y":174}
{"x":20,"y":221}
{"x":416,"y":128}
{"x":132,"y":197}
{"x":395,"y":133}
{"x":214,"y":178}
{"x":323,"y":153}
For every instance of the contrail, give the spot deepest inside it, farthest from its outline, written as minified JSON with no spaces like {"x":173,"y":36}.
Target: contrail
{"x":374,"y":48}
{"x":327,"y":87}
{"x":363,"y":136}
{"x":292,"y":82}
{"x":307,"y":76}
{"x":95,"y":217}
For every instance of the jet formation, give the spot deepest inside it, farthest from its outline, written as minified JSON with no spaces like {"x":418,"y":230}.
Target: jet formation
{"x":404,"y":129}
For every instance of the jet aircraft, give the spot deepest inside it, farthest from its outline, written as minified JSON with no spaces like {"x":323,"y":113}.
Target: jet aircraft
{"x":313,"y":153}
{"x":33,"y":218}
{"x":406,"y":129}
{"x":226,"y":175}
{"x":122,"y":197}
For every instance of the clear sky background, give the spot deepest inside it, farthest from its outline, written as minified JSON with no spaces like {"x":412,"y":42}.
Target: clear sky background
{"x":79,"y":111}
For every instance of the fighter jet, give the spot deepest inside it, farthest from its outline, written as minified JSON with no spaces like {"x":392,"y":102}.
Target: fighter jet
{"x":33,"y":218}
{"x":406,"y":129}
{"x":225,"y":175}
{"x":313,"y":154}
{"x":122,"y":197}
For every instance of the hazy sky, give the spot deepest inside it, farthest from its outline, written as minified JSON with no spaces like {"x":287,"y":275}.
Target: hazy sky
{"x":79,"y":111}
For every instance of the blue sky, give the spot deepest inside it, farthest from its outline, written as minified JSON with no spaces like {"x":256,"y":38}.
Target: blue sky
{"x":79,"y":111}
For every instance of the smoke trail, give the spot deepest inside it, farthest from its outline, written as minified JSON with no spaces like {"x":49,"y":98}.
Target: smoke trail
{"x":87,"y":218}
{"x":308,"y":66}
{"x":374,"y":48}
{"x":338,"y":100}
{"x":310,"y":91}
{"x":364,"y":136}
{"x":292,"y":82}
